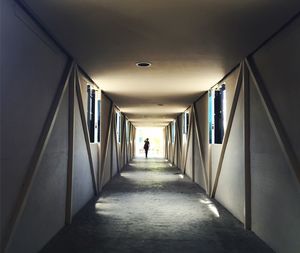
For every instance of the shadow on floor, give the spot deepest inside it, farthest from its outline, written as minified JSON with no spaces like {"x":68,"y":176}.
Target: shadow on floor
{"x":150,"y":207}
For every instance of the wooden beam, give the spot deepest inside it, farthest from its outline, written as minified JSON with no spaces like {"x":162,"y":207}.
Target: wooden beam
{"x":112,"y":143}
{"x":105,"y":144}
{"x":201,"y":148}
{"x":123,"y":142}
{"x":174,"y":147}
{"x":228,"y":129}
{"x":179,"y":146}
{"x":166,"y":141}
{"x":209,"y":170}
{"x":71,"y":124}
{"x":36,"y":158}
{"x":85,"y":132}
{"x":129,"y":142}
{"x":188,"y":140}
{"x":129,"y":148}
{"x":247,"y":151}
{"x":276,"y":124}
{"x":133,"y":141}
{"x":193,"y":148}
{"x":116,"y":145}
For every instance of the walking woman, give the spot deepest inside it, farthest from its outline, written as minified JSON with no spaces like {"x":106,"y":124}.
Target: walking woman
{"x":146,"y":146}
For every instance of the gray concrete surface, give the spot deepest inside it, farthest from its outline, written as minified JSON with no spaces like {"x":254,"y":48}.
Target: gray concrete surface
{"x":150,"y":207}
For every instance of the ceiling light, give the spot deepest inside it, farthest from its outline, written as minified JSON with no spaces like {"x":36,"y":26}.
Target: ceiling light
{"x":143,"y":64}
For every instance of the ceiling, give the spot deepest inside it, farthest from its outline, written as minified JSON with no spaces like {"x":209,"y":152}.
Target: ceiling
{"x":191,"y":44}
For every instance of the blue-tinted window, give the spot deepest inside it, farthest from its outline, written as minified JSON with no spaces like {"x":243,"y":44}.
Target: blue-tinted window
{"x":91,"y":112}
{"x":98,"y":119}
{"x":173,"y":125}
{"x":185,"y":127}
{"x":217,"y":113}
{"x":118,"y":126}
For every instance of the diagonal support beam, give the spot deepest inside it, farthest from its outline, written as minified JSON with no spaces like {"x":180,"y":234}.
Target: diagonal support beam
{"x":116,"y":145}
{"x":247,"y":158}
{"x":228,"y":129}
{"x":188,"y":139}
{"x":36,"y":158}
{"x":123,"y":140}
{"x":201,"y":148}
{"x":179,"y":146}
{"x":105,"y":145}
{"x":71,"y":124}
{"x":86,"y":132}
{"x":276,"y":124}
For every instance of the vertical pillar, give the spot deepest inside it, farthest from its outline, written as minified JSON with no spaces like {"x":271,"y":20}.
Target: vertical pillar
{"x":68,"y":218}
{"x":247,"y":161}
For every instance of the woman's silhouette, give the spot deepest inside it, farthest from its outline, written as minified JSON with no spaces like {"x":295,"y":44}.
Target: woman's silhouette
{"x":146,"y":146}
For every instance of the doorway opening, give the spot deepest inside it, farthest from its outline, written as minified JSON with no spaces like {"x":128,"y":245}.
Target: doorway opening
{"x":156,"y":137}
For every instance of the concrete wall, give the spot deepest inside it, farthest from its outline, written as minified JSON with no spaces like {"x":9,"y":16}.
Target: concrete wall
{"x":44,"y":213}
{"x":275,"y":189}
{"x":33,"y":71}
{"x":231,"y":187}
{"x":188,"y":147}
{"x":32,"y":68}
{"x":201,"y":109}
{"x":114,"y":157}
{"x":115,"y":148}
{"x":106,"y":105}
{"x":82,"y":177}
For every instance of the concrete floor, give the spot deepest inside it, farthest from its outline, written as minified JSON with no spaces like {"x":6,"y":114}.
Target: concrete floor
{"x":152,"y":208}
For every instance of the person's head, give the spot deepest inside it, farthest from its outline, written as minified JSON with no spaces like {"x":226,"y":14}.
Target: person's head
{"x":147,"y":139}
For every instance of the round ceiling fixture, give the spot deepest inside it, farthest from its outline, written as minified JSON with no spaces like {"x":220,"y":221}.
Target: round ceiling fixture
{"x":143,"y":64}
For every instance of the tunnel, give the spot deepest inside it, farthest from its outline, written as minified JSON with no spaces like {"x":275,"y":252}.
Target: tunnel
{"x":150,"y":126}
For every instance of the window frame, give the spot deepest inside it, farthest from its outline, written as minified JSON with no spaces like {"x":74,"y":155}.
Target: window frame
{"x":217,"y":112}
{"x":91,"y":112}
{"x":173,"y":131}
{"x":118,"y":127}
{"x":185,"y":127}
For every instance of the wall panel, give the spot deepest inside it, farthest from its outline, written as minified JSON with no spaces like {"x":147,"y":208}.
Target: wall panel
{"x":82,"y":178}
{"x":275,"y":209}
{"x":44,"y":214}
{"x":231,"y":187}
{"x":30,"y":74}
{"x":275,"y":189}
{"x":201,"y":113}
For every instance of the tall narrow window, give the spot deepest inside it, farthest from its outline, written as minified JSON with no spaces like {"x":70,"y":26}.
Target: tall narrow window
{"x":173,"y":125}
{"x":118,"y":126}
{"x":91,"y":112}
{"x":127,"y":131}
{"x":211,"y":120}
{"x":217,"y":114}
{"x":185,"y":127}
{"x":98,"y":119}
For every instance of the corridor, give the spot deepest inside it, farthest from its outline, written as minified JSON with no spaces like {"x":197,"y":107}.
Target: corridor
{"x":152,"y":207}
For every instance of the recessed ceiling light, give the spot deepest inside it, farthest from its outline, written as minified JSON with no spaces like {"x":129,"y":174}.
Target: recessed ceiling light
{"x":143,"y":64}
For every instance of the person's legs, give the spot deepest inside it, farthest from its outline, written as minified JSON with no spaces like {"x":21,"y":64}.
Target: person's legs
{"x":146,"y":152}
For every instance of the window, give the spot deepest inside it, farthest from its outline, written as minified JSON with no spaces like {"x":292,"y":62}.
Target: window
{"x":93,"y":113}
{"x":173,"y":125}
{"x":217,"y":113}
{"x":127,"y":131}
{"x":118,"y":126}
{"x":91,"y":97}
{"x":185,"y":127}
{"x":98,"y":119}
